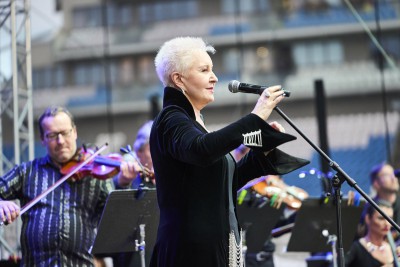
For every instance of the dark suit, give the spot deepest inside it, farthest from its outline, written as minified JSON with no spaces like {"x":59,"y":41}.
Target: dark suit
{"x":196,"y":188}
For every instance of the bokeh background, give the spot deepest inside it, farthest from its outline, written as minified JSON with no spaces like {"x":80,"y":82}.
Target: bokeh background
{"x":339,"y":58}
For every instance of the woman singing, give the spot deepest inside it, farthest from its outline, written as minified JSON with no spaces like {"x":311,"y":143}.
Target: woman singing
{"x":196,"y":176}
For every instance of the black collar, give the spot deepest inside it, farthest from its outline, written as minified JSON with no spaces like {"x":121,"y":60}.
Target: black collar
{"x":174,"y":97}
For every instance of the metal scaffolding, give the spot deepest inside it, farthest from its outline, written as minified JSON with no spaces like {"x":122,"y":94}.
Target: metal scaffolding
{"x":16,"y":99}
{"x":16,"y":87}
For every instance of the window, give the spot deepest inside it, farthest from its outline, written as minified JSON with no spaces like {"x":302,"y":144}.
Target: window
{"x":48,"y":77}
{"x":89,"y":73}
{"x":125,"y":15}
{"x":87,"y":17}
{"x":334,"y":53}
{"x":80,"y":75}
{"x":244,"y":6}
{"x":97,"y":73}
{"x":160,"y":11}
{"x":119,"y":14}
{"x":317,"y":53}
{"x":112,"y":15}
{"x":59,"y":77}
{"x":391,"y":45}
{"x":230,"y":61}
{"x":146,"y":69}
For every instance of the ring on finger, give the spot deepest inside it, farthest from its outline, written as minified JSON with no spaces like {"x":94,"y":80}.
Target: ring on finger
{"x":266,"y":93}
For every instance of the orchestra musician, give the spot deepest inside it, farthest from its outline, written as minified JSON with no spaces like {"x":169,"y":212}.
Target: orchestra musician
{"x":141,"y":153}
{"x":60,"y":228}
{"x":386,"y":186}
{"x":272,"y":187}
{"x":373,"y":248}
{"x":196,"y":176}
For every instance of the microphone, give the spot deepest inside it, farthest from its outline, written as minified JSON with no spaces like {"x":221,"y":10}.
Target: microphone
{"x":236,"y":86}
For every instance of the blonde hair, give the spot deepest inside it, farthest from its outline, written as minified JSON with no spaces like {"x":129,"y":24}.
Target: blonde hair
{"x":175,"y":55}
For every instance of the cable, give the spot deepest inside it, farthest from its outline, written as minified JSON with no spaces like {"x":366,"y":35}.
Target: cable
{"x":107,"y":71}
{"x":383,"y":85}
{"x":371,"y":35}
{"x":382,"y":55}
{"x":239,"y":44}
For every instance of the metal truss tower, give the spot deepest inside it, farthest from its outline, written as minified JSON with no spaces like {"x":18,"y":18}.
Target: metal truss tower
{"x":16,"y":110}
{"x":16,"y":82}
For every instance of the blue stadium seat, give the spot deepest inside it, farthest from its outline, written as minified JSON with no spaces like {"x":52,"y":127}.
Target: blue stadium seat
{"x":356,"y":162}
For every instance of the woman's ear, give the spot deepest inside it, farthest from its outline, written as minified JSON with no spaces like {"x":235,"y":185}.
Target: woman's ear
{"x":176,"y":78}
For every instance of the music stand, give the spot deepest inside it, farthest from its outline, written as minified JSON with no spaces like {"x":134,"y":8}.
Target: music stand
{"x":129,"y":218}
{"x":257,"y":218}
{"x":314,"y":217}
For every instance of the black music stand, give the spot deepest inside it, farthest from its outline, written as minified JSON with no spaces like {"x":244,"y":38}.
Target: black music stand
{"x":314,"y":217}
{"x":257,"y":218}
{"x":129,"y":218}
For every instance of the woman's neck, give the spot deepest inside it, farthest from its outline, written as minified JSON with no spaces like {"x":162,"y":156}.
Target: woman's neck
{"x":375,"y":239}
{"x":199,"y":117}
{"x":198,"y":114}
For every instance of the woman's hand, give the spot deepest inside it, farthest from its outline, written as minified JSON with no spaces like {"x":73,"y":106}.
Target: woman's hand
{"x":268,"y":101}
{"x":277,"y":126}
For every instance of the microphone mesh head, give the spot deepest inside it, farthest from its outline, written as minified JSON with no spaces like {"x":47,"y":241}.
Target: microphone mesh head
{"x":233,"y":86}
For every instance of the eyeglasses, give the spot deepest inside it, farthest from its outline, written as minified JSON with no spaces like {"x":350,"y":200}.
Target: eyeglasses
{"x":54,"y":136}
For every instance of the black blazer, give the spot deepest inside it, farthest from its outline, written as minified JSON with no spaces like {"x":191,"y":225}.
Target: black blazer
{"x":192,"y":190}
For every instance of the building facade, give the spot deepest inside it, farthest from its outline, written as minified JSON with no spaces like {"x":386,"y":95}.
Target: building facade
{"x":100,"y":63}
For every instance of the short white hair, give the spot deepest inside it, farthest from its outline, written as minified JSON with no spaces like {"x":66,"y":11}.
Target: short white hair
{"x":176,"y":54}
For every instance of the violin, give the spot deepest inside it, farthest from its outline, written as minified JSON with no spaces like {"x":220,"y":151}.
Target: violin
{"x":101,"y":167}
{"x":273,"y":187}
{"x":108,"y":169}
{"x":76,"y":169}
{"x":86,"y":162}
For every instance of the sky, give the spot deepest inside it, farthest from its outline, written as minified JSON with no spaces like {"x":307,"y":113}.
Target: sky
{"x":44,"y":20}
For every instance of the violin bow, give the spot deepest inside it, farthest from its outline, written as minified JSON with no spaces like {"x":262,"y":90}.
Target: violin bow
{"x":59,"y":182}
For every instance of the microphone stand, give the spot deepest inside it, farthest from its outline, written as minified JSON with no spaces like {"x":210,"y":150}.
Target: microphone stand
{"x":337,"y":181}
{"x":142,"y":245}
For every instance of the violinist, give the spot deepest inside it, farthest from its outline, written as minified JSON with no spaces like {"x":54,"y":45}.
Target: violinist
{"x":264,"y":258}
{"x":60,"y":228}
{"x":141,"y":153}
